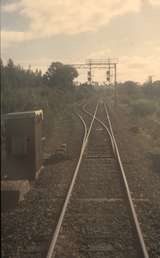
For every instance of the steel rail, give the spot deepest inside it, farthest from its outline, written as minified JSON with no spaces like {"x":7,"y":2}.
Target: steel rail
{"x":103,"y":124}
{"x":134,"y":215}
{"x":117,"y":156}
{"x":51,"y":251}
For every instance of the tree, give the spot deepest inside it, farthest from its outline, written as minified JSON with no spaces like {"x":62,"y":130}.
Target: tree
{"x":152,"y":89}
{"x":2,"y":72}
{"x":19,"y":87}
{"x":129,"y":87}
{"x":1,"y":64}
{"x":60,"y":75}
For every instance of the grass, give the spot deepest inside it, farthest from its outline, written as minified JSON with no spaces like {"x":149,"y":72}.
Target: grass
{"x":143,"y":107}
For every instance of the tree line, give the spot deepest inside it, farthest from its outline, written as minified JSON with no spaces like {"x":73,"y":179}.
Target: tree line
{"x":24,"y":89}
{"x":150,"y":89}
{"x":58,"y":75}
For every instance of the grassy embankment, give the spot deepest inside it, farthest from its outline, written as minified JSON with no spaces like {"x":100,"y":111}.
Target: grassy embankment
{"x":146,"y":112}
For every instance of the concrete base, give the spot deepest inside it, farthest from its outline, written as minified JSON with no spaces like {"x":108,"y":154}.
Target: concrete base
{"x":13,"y":192}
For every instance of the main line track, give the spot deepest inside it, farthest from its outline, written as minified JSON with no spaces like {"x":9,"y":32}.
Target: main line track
{"x":98,"y":218}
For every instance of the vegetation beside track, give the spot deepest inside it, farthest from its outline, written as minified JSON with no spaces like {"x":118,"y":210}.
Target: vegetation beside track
{"x":142,"y":100}
{"x":138,"y":113}
{"x":54,"y":92}
{"x":138,"y":119}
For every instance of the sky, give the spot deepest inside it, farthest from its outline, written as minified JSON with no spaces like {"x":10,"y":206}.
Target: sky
{"x":37,"y":33}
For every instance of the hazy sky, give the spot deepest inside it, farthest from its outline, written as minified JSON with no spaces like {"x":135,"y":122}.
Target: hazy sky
{"x":37,"y":32}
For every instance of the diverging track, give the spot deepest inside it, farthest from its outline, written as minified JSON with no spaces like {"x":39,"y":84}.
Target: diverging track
{"x":97,"y":218}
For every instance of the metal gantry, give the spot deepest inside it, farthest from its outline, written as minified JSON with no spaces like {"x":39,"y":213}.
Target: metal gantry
{"x":108,"y":64}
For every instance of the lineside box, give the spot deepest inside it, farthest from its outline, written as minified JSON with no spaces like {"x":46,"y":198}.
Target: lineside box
{"x":23,"y":144}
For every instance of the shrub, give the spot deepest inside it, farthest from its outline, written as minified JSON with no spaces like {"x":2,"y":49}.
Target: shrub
{"x":143,"y":107}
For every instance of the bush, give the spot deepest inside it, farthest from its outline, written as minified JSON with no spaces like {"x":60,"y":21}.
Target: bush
{"x":143,"y":107}
{"x":158,"y":111}
{"x":125,"y":100}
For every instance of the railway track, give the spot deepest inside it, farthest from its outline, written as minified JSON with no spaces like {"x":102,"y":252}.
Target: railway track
{"x":98,"y":218}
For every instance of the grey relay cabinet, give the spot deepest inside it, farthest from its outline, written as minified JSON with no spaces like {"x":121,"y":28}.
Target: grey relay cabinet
{"x":23,"y":144}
